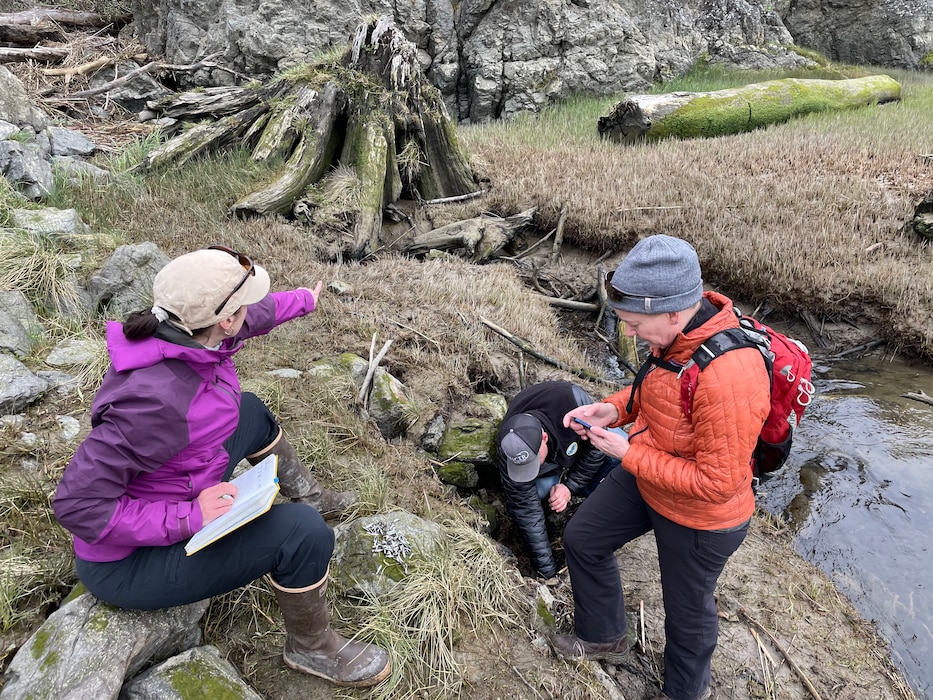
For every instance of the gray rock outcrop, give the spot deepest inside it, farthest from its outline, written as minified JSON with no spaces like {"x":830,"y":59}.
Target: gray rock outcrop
{"x":489,"y":59}
{"x":897,"y":33}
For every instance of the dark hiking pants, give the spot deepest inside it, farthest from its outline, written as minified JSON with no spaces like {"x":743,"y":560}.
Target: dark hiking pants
{"x":690,"y":562}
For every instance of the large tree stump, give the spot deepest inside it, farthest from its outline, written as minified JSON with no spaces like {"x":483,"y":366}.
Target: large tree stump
{"x":370,"y":110}
{"x":691,"y":114}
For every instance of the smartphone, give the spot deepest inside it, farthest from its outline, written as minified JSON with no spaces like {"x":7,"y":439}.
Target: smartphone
{"x":583,"y":423}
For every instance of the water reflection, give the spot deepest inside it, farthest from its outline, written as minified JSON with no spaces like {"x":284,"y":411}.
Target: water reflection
{"x":859,"y":491}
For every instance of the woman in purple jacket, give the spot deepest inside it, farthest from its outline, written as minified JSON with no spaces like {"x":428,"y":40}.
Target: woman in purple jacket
{"x":168,"y":426}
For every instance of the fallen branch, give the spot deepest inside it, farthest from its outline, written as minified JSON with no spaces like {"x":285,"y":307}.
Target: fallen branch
{"x":918,"y":396}
{"x":458,"y":198}
{"x":526,"y":347}
{"x":859,"y":348}
{"x":571,"y":304}
{"x":149,"y":67}
{"x":815,"y":329}
{"x":117,"y":82}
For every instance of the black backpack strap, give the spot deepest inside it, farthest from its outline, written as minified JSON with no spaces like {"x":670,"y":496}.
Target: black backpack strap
{"x":652,"y":361}
{"x":719,"y":343}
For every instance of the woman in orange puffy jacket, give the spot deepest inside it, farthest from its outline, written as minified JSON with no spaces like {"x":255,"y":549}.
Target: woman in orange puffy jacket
{"x":686,"y":478}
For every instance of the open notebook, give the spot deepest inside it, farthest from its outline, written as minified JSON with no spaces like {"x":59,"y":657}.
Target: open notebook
{"x":256,"y":490}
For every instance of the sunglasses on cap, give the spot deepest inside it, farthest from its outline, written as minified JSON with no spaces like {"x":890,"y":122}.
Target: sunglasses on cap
{"x":612,"y":293}
{"x":245,"y":261}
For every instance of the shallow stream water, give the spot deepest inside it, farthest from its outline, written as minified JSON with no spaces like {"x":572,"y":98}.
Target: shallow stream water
{"x":858,"y":488}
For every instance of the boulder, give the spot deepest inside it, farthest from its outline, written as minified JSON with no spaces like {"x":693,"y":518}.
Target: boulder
{"x":196,"y":673}
{"x":19,"y":387}
{"x":371,"y":554}
{"x":15,"y":106}
{"x":86,"y":649}
{"x":124,"y":283}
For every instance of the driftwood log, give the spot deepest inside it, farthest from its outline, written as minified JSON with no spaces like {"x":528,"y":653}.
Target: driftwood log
{"x":640,"y":118}
{"x":371,"y":111}
{"x":481,"y":238}
{"x":41,"y":54}
{"x":30,"y":27}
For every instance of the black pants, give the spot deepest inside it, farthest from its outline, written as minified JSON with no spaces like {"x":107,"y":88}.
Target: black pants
{"x":291,"y":542}
{"x":690,"y":561}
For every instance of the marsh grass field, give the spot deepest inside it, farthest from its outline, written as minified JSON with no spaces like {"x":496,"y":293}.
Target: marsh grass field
{"x":809,"y":215}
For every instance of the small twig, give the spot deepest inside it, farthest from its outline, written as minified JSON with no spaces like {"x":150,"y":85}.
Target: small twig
{"x":415,"y":330}
{"x":373,"y":364}
{"x":458,"y":198}
{"x":521,"y":370}
{"x":527,"y":684}
{"x":767,"y":663}
{"x":524,"y":345}
{"x":601,"y":294}
{"x":529,"y":249}
{"x":571,"y":304}
{"x":641,"y":606}
{"x":559,"y":237}
{"x":793,"y":664}
{"x":858,"y":348}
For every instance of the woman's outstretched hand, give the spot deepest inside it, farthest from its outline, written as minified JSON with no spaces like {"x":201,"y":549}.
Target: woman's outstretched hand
{"x":316,"y":292}
{"x":216,"y":500}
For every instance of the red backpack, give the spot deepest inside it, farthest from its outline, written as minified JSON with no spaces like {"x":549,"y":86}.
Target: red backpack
{"x":789,"y":366}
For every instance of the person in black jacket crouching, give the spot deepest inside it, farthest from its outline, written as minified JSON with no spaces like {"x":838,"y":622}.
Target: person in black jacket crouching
{"x":540,"y":459}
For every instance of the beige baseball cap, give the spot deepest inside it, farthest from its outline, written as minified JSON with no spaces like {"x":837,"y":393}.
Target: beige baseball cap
{"x":207,"y":286}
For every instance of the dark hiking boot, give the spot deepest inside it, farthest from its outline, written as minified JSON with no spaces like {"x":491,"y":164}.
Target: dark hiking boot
{"x":569,"y":646}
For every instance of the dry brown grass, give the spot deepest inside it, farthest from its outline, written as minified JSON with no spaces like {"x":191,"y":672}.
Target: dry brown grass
{"x":790,"y":215}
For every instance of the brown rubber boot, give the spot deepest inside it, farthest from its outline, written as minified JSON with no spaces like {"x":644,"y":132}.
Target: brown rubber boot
{"x":298,"y":484}
{"x":311,"y":646}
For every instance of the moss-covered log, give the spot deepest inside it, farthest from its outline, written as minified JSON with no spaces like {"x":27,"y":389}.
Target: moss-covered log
{"x":307,"y":163}
{"x":732,"y":111}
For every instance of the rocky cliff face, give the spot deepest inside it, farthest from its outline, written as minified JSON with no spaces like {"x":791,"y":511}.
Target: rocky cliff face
{"x":897,"y":33}
{"x":489,"y":58}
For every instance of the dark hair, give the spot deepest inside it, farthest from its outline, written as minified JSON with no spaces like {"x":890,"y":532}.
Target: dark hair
{"x":144,"y":324}
{"x":140,"y":324}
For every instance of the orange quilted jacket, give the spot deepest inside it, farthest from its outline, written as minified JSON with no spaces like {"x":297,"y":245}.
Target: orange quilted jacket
{"x":697,"y":473}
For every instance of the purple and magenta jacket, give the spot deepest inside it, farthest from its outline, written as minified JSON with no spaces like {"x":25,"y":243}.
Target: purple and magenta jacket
{"x":158,"y":424}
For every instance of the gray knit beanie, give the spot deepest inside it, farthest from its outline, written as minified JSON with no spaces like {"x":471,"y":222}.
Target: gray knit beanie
{"x":660,"y":274}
